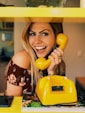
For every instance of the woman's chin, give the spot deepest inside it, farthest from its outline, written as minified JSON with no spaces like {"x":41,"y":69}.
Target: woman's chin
{"x":40,"y":56}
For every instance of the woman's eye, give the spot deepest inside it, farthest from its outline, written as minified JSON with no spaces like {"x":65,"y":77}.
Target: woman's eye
{"x":45,"y":34}
{"x":32,"y":34}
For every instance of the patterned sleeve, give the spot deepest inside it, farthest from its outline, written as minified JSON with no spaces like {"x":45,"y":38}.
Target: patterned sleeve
{"x":18,"y":76}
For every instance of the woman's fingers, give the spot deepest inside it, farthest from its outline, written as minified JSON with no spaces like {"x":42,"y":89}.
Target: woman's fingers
{"x":56,"y":56}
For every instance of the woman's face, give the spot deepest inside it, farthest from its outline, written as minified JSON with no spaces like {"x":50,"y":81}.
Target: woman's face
{"x":41,"y":38}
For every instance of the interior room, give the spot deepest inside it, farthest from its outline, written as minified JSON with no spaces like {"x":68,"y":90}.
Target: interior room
{"x":74,"y":28}
{"x":74,"y":56}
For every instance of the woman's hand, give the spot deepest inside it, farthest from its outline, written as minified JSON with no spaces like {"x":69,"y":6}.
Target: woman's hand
{"x":56,"y":58}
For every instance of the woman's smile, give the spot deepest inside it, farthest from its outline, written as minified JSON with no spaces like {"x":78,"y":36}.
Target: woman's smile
{"x":40,"y":50}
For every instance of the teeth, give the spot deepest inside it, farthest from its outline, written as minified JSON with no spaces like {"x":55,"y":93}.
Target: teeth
{"x":40,"y":48}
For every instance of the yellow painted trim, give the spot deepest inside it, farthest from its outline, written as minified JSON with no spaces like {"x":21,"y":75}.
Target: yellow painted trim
{"x":16,"y":108}
{"x":41,"y":12}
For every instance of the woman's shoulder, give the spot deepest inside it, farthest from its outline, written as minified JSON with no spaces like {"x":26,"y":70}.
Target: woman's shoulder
{"x":22,"y":59}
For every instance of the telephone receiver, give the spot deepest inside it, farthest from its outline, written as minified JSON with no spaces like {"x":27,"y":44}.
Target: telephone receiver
{"x":61,"y":40}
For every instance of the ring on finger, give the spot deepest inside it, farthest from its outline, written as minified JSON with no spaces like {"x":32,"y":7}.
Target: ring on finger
{"x":59,"y":57}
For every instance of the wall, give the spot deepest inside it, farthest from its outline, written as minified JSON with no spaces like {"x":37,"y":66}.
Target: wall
{"x":19,"y":26}
{"x":74,"y":55}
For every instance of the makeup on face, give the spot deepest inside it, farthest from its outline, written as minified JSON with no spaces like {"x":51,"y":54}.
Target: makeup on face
{"x":41,"y":38}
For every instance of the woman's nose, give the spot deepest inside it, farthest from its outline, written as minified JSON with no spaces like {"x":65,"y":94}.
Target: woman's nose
{"x":38,"y":39}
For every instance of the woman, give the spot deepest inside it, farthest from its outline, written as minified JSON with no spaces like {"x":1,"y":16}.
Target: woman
{"x":38,"y":40}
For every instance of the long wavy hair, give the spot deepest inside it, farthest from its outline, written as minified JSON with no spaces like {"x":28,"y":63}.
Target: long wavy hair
{"x":35,"y":75}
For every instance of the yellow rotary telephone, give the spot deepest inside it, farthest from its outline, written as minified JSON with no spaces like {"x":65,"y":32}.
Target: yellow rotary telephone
{"x":55,"y":89}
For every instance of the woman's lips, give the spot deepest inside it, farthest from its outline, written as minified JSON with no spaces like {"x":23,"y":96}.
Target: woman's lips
{"x":40,"y":49}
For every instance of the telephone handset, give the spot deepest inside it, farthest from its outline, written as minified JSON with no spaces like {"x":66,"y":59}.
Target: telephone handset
{"x":61,"y":40}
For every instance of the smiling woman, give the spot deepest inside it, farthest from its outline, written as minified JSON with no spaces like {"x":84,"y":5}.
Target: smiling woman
{"x":38,"y":40}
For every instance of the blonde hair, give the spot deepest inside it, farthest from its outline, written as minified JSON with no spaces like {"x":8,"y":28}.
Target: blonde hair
{"x":57,"y":28}
{"x":35,"y":75}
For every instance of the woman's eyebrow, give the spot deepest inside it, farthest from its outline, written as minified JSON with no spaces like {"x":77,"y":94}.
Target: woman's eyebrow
{"x":43,"y":30}
{"x":31,"y":31}
{"x":40,"y":31}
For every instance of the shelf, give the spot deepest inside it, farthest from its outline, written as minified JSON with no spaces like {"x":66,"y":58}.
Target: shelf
{"x":41,"y":12}
{"x":6,"y":29}
{"x":25,"y":12}
{"x":6,"y":26}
